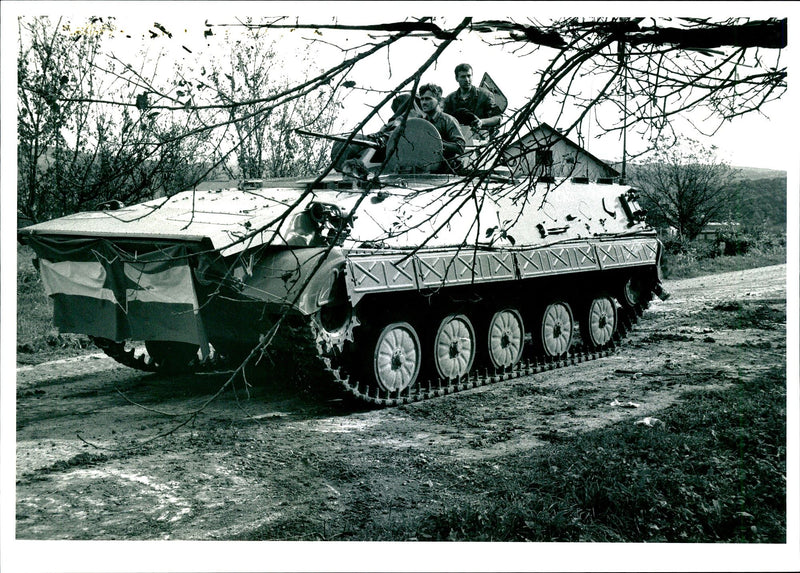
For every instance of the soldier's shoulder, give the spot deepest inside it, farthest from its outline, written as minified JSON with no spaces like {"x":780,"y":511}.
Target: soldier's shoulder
{"x":451,"y":96}
{"x":449,"y":117}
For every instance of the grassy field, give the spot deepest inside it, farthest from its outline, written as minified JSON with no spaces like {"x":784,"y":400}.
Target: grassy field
{"x":704,"y":476}
{"x":37,"y":339}
{"x":698,"y":258}
{"x":688,"y":268}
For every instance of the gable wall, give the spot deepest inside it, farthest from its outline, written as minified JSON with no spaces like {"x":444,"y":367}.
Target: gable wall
{"x":568,"y":161}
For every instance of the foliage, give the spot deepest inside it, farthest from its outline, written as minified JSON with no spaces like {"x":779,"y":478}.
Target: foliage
{"x":262,"y":138}
{"x":727,"y":252}
{"x":758,"y":208}
{"x":730,"y":244}
{"x":703,"y":477}
{"x":37,"y":339}
{"x":684,"y":186}
{"x":759,"y":203}
{"x":52,"y":72}
{"x":89,"y":130}
{"x":72,"y":153}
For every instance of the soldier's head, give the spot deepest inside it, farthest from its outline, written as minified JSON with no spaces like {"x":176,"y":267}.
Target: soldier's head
{"x":402,"y":102}
{"x":430,"y":96}
{"x":464,"y":76}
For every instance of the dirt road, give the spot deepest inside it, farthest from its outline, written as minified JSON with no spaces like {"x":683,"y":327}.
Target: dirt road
{"x":273,"y":465}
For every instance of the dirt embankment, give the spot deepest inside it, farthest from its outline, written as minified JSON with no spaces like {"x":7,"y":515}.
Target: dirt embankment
{"x":274,"y":465}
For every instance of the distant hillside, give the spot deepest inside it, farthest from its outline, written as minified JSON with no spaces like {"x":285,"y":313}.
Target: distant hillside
{"x":761,"y":202}
{"x":759,"y":198}
{"x":758,"y":173}
{"x":742,"y":172}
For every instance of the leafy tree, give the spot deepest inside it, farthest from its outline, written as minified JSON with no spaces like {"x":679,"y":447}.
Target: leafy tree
{"x":54,"y":73}
{"x":90,"y":127}
{"x":685,"y":186}
{"x":251,"y":70}
{"x":74,"y":153}
{"x":760,"y":203}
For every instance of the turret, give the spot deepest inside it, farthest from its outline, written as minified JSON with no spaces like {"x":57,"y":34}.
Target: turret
{"x":415,"y":148}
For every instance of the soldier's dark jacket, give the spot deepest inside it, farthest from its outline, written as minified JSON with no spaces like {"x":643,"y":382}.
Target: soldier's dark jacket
{"x":479,"y":101}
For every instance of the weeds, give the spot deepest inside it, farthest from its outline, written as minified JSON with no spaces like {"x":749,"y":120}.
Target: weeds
{"x":683,"y":259}
{"x":37,"y":338}
{"x":714,"y":473}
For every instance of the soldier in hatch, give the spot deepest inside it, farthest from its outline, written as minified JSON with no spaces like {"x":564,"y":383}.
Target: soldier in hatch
{"x":401,"y":103}
{"x":472,"y":105}
{"x":400,"y":109}
{"x":430,"y":96}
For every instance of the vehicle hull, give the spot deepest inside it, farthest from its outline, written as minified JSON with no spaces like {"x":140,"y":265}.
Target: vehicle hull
{"x":363,"y":281}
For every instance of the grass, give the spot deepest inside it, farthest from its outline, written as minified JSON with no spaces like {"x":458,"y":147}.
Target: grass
{"x":696,"y":263}
{"x":37,"y":338}
{"x":34,"y":309}
{"x":713,"y":472}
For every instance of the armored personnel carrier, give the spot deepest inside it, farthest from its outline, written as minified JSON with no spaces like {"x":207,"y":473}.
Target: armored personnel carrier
{"x":391,"y":280}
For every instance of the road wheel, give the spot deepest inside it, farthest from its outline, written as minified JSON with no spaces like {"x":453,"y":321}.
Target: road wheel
{"x":599,"y":322}
{"x":172,"y":356}
{"x":454,"y":347}
{"x":630,"y":292}
{"x":554,"y":329}
{"x":505,"y":338}
{"x":396,"y":357}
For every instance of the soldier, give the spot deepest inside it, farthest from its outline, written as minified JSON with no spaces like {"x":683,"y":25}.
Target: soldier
{"x":403,"y":106}
{"x":401,"y":103}
{"x":453,"y":142}
{"x":472,"y":105}
{"x":400,"y":108}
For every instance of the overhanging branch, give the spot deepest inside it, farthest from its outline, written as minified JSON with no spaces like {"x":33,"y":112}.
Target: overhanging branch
{"x":758,"y":34}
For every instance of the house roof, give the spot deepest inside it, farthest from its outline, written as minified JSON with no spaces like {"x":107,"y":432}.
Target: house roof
{"x":560,"y":136}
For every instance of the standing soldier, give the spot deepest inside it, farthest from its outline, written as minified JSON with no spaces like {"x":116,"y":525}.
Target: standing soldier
{"x":472,"y":105}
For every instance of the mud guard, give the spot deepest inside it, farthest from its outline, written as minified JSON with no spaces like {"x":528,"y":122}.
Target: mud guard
{"x":305,"y":279}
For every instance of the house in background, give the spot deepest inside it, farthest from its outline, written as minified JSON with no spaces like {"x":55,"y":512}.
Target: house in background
{"x":712,"y":229}
{"x":550,"y":154}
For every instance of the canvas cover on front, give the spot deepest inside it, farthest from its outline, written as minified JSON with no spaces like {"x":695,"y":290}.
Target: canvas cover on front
{"x":99,"y":290}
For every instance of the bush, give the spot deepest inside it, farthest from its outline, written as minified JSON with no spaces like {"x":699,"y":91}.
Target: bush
{"x":677,"y":246}
{"x":730,"y":244}
{"x":749,"y":248}
{"x":37,"y":338}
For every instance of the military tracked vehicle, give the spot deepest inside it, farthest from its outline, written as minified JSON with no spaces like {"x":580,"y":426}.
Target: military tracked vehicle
{"x":393,"y":279}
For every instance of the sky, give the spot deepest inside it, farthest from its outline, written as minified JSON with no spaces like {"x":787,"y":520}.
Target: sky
{"x":771,"y":128}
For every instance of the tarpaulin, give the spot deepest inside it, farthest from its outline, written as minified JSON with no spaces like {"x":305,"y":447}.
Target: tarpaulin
{"x":101,"y":290}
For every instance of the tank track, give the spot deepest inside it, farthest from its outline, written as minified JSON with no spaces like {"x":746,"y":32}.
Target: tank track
{"x":126,"y":356}
{"x":321,"y":364}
